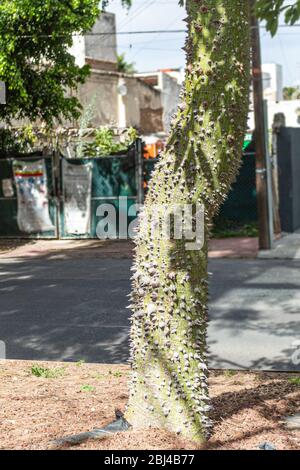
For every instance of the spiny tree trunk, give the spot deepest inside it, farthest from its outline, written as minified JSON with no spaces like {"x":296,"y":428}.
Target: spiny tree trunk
{"x":168,"y":385}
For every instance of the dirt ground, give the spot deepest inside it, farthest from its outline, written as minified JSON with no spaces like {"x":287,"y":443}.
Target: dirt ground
{"x":42,"y":402}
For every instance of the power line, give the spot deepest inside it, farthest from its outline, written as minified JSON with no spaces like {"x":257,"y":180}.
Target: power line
{"x":123,"y":33}
{"x":118,"y":33}
{"x":158,"y":34}
{"x":141,"y":9}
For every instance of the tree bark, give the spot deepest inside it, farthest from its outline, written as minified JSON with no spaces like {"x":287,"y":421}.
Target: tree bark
{"x":168,"y":386}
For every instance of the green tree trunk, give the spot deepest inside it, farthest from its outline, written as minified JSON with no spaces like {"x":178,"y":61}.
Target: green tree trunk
{"x":168,"y":386}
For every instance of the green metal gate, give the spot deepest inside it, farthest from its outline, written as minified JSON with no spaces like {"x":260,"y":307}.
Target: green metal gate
{"x":114,"y":179}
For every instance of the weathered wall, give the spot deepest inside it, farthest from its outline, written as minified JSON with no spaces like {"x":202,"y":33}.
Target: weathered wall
{"x":99,"y":93}
{"x":103,"y":47}
{"x":169,"y":89}
{"x":140,"y":107}
{"x":99,"y":48}
{"x":143,"y":105}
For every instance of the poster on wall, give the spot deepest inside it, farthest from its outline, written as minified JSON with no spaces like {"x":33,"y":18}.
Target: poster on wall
{"x":77,"y":186}
{"x":32,"y":195}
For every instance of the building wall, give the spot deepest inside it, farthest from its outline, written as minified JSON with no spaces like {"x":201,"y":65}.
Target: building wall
{"x":99,"y":47}
{"x":178,"y":74}
{"x":169,"y":89}
{"x":78,"y":50}
{"x":103,"y":47}
{"x":170,"y":98}
{"x":291,"y":110}
{"x":143,"y":106}
{"x":272,"y":82}
{"x":99,"y":94}
{"x":140,"y":107}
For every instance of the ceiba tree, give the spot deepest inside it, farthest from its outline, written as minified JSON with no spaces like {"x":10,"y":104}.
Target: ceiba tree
{"x":169,"y":386}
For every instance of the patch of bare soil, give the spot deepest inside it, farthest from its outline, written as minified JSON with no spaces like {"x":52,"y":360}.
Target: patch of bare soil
{"x":44,"y":402}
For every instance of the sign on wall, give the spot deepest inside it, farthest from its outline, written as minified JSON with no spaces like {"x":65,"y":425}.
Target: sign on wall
{"x":77,"y":186}
{"x":32,"y":195}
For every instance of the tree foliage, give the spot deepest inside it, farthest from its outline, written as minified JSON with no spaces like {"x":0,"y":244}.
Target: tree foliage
{"x":35,"y":62}
{"x":125,"y":3}
{"x":291,"y":93}
{"x":271,"y":10}
{"x":124,"y":66}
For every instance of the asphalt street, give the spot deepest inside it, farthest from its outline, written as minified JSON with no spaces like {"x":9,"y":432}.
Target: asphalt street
{"x":75,"y":309}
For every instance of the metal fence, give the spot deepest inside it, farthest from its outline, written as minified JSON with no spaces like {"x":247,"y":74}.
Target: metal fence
{"x":114,"y":178}
{"x":240,"y":208}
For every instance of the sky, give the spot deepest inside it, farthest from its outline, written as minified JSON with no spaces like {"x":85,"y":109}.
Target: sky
{"x":156,"y":51}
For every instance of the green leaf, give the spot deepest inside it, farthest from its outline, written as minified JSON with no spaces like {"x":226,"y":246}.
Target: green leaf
{"x":35,"y":62}
{"x":270,"y":11}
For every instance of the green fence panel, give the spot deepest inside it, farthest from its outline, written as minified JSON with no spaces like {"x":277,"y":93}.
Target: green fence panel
{"x":113,"y":177}
{"x":121,"y":217}
{"x":241,"y":205}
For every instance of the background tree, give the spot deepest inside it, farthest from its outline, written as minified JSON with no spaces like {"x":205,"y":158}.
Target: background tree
{"x":272,"y":10}
{"x":291,"y":93}
{"x":124,"y":66}
{"x":35,"y":63}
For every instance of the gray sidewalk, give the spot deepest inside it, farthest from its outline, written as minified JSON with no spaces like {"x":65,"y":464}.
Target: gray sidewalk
{"x":288,"y":247}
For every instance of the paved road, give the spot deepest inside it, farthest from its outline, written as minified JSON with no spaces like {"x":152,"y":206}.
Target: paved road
{"x":75,"y":309}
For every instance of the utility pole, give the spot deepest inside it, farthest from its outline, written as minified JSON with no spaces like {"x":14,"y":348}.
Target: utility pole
{"x":264,"y":216}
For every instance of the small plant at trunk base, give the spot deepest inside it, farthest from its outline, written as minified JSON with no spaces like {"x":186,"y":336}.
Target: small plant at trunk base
{"x":117,"y":373}
{"x":80,"y":363}
{"x":46,"y":373}
{"x":295,"y":381}
{"x":169,"y":386}
{"x":88,"y":388}
{"x":230,"y":373}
